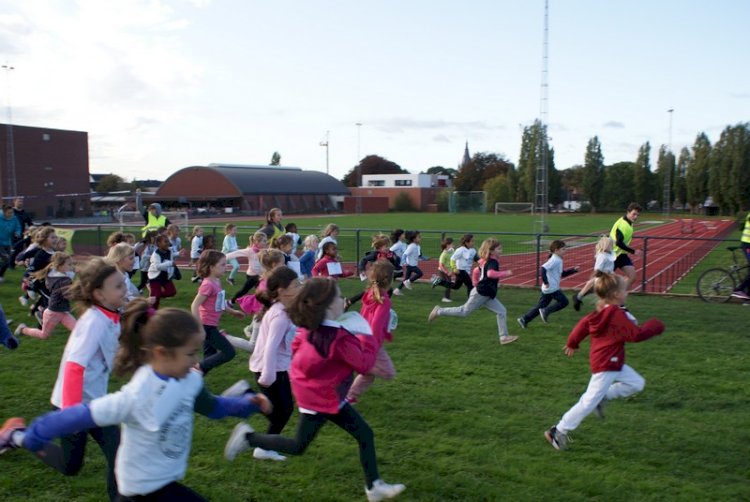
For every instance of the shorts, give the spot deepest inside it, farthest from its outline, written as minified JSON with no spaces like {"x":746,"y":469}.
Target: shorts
{"x":622,"y":261}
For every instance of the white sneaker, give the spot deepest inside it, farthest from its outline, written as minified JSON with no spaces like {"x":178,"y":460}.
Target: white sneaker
{"x":407,"y":284}
{"x":19,"y":330}
{"x":237,"y":389}
{"x":32,"y":294}
{"x":237,"y":442}
{"x":261,"y":454}
{"x":446,"y":300}
{"x":381,"y":490}
{"x":433,"y":314}
{"x":24,"y":301}
{"x":505,"y":340}
{"x":397,"y":292}
{"x":248,"y":330}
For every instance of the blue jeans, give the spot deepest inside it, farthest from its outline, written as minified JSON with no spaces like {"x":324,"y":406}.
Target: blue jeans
{"x":544,"y":300}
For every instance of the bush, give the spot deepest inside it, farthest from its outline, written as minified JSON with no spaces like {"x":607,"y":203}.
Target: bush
{"x":403,"y":203}
{"x":441,"y":199}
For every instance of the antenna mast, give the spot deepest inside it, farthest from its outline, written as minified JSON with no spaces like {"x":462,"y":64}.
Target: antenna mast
{"x":541,"y":201}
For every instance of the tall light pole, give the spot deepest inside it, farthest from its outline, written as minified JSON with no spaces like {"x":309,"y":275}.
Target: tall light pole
{"x":667,"y":196}
{"x":10,"y":149}
{"x":325,"y":144}
{"x":359,"y":159}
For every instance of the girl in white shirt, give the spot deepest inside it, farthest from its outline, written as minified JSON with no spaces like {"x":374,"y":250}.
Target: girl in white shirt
{"x":410,"y":261}
{"x":227,"y":246}
{"x":330,"y":233}
{"x":462,"y":262}
{"x":604,"y":261}
{"x":155,"y":408}
{"x":398,"y":247}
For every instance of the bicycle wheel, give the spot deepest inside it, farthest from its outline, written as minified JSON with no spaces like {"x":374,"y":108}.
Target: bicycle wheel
{"x":715,"y":285}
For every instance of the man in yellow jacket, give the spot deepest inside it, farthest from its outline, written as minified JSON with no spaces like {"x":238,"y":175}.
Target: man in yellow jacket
{"x":622,"y":234}
{"x":741,"y":291}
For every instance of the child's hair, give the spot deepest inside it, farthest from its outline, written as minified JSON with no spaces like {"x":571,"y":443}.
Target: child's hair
{"x":259,"y":237}
{"x":62,"y":244}
{"x":58,"y":259}
{"x":173,"y":229}
{"x":465,"y":238}
{"x":311,"y":242}
{"x":228,"y":228}
{"x":634,"y":206}
{"x":161,"y":238}
{"x":281,"y":241}
{"x":130,"y":238}
{"x":411,"y":235}
{"x":380,"y":240}
{"x":269,"y":258}
{"x":90,"y":277}
{"x":208,"y":258}
{"x":291,"y":227}
{"x":555,"y":245}
{"x":209,"y":241}
{"x":308,"y":310}
{"x":42,"y":234}
{"x":162,"y":231}
{"x":196,"y":229}
{"x":380,"y":276}
{"x":150,"y":237}
{"x":604,"y":243}
{"x":446,"y":242}
{"x":396,"y":235}
{"x":143,"y":328}
{"x":330,"y":229}
{"x":119,"y":252}
{"x":487,"y":247}
{"x":270,"y":214}
{"x":606,"y":285}
{"x":115,"y":238}
{"x":328,"y":245}
{"x":280,"y":277}
{"x":7,"y":207}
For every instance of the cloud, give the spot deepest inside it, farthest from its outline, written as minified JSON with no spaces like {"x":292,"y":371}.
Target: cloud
{"x":402,"y":124}
{"x":441,"y":138}
{"x":614,"y":124}
{"x":740,"y":95}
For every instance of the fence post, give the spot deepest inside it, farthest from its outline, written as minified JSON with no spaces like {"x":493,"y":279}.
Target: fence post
{"x":645,"y":265}
{"x":538,"y":258}
{"x":99,"y":239}
{"x":356,"y":246}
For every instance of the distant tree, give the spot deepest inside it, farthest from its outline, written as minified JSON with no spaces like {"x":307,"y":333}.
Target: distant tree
{"x":571,"y":180}
{"x":729,"y":174}
{"x":665,"y":166}
{"x":641,"y":176}
{"x":498,"y":190}
{"x":533,"y":144}
{"x":680,"y":182}
{"x":446,"y":171}
{"x":696,"y":177}
{"x":618,"y":190}
{"x":482,"y":167}
{"x":403,"y":203}
{"x":111,"y":183}
{"x":372,"y":164}
{"x":275,"y":159}
{"x":593,"y":173}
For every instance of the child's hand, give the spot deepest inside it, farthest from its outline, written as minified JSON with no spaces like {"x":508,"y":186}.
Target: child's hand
{"x":569,"y":351}
{"x":262,"y":402}
{"x":151,"y":300}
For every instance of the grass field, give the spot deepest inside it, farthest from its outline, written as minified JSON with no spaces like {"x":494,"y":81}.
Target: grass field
{"x":464,"y":418}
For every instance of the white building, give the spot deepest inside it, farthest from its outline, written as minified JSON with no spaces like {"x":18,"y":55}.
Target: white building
{"x":406,"y":180}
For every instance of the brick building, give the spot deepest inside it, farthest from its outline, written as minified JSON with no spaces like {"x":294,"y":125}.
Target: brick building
{"x":422,"y":189}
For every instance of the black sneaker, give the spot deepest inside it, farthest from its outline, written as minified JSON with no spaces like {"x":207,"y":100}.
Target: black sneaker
{"x":577,"y":303}
{"x":599,"y":410}
{"x":543,"y":315}
{"x":558,"y":440}
{"x":522,"y":322}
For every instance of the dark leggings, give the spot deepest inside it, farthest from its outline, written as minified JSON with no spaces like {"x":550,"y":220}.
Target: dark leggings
{"x":216,"y":349}
{"x":412,"y":274}
{"x":173,"y":491}
{"x":250,"y":282}
{"x":561,"y":301}
{"x":280,"y":395}
{"x":347,"y":418}
{"x":462,"y":278}
{"x":67,"y":457}
{"x":746,"y":283}
{"x":144,"y":280}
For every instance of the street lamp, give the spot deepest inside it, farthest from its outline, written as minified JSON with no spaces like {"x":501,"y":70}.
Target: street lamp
{"x":9,"y":130}
{"x":359,"y":159}
{"x":325,"y":144}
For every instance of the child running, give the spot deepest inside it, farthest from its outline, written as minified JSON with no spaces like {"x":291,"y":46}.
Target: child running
{"x":256,"y":243}
{"x":461,"y":261}
{"x":485,"y":292}
{"x":610,"y":327}
{"x":330,"y":233}
{"x":552,"y":272}
{"x":325,"y":354}
{"x":155,"y":408}
{"x":398,"y":246}
{"x":122,"y":256}
{"x":196,"y":248}
{"x":380,"y":252}
{"x":58,"y":277}
{"x":209,"y":303}
{"x":85,"y":368}
{"x":410,"y":260}
{"x":329,"y":265}
{"x":376,"y":309}
{"x":143,"y":251}
{"x":227,"y":246}
{"x":307,"y":260}
{"x":604,"y":261}
{"x":445,"y":273}
{"x":161,"y":271}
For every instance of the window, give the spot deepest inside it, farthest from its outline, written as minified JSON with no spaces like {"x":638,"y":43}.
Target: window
{"x":403,"y":183}
{"x":45,"y":137}
{"x":376,"y":183}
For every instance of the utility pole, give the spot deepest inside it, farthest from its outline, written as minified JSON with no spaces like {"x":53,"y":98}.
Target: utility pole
{"x":11,"y":191}
{"x":541,"y":197}
{"x":667,"y":196}
{"x":325,"y":144}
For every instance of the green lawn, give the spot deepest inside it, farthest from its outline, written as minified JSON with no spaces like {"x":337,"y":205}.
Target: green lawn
{"x":464,"y":418}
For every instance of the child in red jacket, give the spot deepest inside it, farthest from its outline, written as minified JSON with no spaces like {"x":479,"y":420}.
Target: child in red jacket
{"x":329,"y":264}
{"x":610,"y":327}
{"x":324,"y":355}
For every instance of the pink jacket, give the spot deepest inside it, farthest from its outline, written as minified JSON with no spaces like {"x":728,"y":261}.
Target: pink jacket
{"x":321,"y":383}
{"x":378,"y":315}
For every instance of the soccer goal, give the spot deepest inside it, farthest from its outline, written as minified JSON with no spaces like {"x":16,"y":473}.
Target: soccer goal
{"x":514,"y":207}
{"x":135,"y":219}
{"x":467,"y":202}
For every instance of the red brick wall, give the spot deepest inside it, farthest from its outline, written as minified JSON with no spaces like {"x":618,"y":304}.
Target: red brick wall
{"x":420,"y":197}
{"x":366,"y":204}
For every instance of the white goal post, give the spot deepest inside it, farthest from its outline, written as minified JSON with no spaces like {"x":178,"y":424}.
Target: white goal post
{"x":514,"y":207}
{"x":135,"y":219}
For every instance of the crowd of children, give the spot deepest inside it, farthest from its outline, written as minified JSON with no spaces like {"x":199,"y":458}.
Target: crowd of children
{"x":300,"y":341}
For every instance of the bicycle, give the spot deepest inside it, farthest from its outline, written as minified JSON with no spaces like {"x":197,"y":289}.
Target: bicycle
{"x":716,"y":285}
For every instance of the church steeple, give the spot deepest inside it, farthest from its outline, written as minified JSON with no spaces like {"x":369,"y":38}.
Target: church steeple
{"x":467,"y":157}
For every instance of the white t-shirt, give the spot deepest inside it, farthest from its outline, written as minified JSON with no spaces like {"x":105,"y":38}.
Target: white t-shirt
{"x":92,"y":344}
{"x":605,"y":262}
{"x":554,"y":268}
{"x":273,"y":349}
{"x":157,"y":428}
{"x":411,"y":255}
{"x":398,"y":249}
{"x":464,"y":258}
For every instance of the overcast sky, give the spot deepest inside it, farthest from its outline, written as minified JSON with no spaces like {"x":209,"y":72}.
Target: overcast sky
{"x":162,"y":85}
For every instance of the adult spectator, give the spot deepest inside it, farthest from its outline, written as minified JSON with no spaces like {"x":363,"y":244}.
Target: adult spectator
{"x":9,"y":231}
{"x":741,"y":291}
{"x":152,"y":216}
{"x":273,"y":229}
{"x":622,"y":234}
{"x":25,"y":221}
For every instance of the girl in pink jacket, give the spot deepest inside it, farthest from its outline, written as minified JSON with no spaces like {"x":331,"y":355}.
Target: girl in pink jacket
{"x":325,"y":353}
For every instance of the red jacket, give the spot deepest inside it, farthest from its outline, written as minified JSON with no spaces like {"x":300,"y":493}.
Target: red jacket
{"x":321,"y":383}
{"x":378,"y":316}
{"x":610,"y":328}
{"x":320,"y":269}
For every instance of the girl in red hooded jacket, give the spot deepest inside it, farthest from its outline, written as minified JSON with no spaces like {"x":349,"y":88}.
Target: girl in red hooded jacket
{"x":610,"y":327}
{"x":324,"y":355}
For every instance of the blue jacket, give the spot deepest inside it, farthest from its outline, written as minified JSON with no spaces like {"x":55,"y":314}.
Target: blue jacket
{"x":8,"y":229}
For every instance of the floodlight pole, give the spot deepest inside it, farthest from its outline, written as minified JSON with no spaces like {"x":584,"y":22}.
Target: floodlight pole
{"x":668,"y":172}
{"x":325,"y":144}
{"x":10,"y":148}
